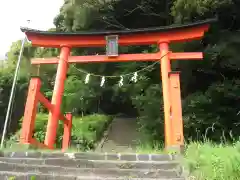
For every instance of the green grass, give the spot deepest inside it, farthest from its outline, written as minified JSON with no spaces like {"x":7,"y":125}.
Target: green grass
{"x":148,"y":148}
{"x":207,"y":161}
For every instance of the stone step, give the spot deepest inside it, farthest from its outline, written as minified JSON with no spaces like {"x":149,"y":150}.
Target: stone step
{"x":113,"y":172}
{"x":37,"y":176}
{"x":91,"y":156}
{"x":82,"y":163}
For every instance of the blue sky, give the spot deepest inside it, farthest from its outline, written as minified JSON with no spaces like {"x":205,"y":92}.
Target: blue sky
{"x":15,"y":13}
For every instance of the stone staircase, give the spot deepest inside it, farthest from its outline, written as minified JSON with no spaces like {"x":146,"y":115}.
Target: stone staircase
{"x":88,"y":166}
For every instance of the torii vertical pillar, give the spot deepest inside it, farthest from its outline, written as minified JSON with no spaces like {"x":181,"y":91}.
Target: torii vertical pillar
{"x":165,"y":69}
{"x":57,"y":97}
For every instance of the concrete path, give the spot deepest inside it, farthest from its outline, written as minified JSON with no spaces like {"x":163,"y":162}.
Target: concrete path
{"x":122,"y":136}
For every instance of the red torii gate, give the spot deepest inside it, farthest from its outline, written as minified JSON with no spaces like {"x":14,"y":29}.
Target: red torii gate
{"x":170,"y":80}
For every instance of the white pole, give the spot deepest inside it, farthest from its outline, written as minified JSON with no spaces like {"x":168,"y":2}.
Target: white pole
{"x":12,"y":92}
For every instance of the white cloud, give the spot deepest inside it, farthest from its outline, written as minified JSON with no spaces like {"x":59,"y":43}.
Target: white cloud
{"x":15,"y":13}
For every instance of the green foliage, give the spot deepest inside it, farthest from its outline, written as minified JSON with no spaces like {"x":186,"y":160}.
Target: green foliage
{"x":187,"y":10}
{"x":12,"y":178}
{"x":150,"y":111}
{"x":213,"y":114}
{"x":78,"y":14}
{"x":77,"y":95}
{"x":6,"y":81}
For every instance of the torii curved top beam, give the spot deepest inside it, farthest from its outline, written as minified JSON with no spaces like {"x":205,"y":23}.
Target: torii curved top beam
{"x":145,"y":36}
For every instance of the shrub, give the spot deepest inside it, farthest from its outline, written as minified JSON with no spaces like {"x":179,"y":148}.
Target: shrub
{"x":86,"y":131}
